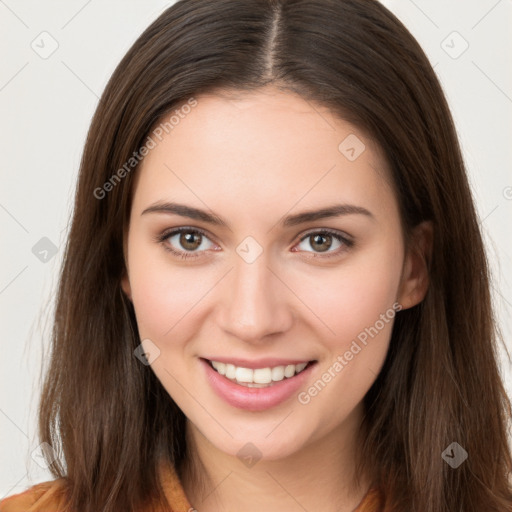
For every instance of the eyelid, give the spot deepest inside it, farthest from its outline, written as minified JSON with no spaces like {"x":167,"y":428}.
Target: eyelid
{"x":334,"y":232}
{"x":180,"y":229}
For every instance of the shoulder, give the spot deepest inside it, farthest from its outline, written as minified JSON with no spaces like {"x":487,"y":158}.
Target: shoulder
{"x":46,"y":496}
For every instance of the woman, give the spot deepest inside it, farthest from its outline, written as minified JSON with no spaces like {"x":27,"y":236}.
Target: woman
{"x":275,"y":294}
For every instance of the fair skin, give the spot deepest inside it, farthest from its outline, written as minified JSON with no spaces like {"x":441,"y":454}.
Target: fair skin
{"x":253,"y":160}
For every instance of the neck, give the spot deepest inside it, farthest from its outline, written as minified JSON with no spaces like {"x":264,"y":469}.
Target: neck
{"x":319,"y":476}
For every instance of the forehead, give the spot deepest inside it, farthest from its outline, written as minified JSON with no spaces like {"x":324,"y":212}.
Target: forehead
{"x":263,"y":151}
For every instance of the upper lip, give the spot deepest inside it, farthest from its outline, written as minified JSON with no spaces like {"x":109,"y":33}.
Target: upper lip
{"x":267,"y":362}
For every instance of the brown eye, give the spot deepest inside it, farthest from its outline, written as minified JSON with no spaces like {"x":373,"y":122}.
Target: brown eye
{"x":327,"y":242}
{"x":186,"y":242}
{"x":190,"y":240}
{"x":320,"y":242}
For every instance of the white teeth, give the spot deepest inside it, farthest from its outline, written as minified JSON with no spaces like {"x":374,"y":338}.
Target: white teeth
{"x":230,"y":371}
{"x":289,"y":371}
{"x":262,"y":376}
{"x":259,"y":376}
{"x":244,"y":374}
{"x":278,"y":373}
{"x":220,"y":367}
{"x":300,"y":367}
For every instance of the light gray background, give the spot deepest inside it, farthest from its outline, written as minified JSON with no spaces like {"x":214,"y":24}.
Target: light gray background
{"x":46,"y":106}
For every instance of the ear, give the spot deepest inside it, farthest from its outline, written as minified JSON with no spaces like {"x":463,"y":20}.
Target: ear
{"x":125,"y":280}
{"x":415,"y":271}
{"x":125,"y":284}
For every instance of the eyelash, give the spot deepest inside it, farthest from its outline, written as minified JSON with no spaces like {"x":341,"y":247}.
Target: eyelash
{"x":162,"y":238}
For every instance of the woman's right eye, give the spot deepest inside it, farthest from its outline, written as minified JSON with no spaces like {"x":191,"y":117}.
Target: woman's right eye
{"x":185,"y":242}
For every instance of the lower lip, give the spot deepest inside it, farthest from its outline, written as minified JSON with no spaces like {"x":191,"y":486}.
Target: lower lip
{"x":255,"y":399}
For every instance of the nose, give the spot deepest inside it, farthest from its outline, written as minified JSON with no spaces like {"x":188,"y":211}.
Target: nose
{"x":256,"y":303}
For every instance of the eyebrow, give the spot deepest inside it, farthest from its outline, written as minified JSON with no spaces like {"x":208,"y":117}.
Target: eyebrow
{"x":190,"y":212}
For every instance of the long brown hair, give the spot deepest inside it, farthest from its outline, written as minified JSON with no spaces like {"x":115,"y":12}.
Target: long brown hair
{"x":108,"y":416}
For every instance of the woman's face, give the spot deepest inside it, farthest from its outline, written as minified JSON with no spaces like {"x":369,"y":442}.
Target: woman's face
{"x":258,"y":280}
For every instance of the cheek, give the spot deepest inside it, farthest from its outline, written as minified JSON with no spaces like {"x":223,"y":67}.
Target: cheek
{"x":358,"y":304}
{"x":353,"y":296}
{"x":163,"y":296}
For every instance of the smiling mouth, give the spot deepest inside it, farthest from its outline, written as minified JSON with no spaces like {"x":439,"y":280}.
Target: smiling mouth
{"x":258,"y":377}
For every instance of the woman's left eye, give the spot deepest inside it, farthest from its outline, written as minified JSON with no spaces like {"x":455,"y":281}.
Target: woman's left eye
{"x":323,"y":241}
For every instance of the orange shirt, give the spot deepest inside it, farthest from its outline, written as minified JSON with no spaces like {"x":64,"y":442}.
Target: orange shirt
{"x":50,"y":497}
